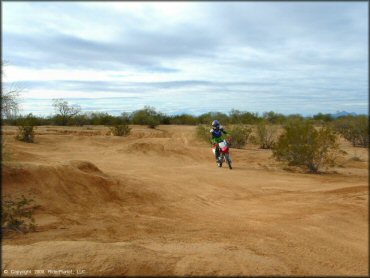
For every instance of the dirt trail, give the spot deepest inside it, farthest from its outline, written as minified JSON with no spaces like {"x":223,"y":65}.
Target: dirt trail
{"x":154,"y":203}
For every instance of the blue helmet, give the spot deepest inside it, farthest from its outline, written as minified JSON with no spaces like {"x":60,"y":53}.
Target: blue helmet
{"x":215,"y":124}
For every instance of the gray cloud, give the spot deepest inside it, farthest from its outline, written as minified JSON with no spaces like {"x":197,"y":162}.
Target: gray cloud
{"x":304,"y":56}
{"x":136,"y":46}
{"x":121,"y":86}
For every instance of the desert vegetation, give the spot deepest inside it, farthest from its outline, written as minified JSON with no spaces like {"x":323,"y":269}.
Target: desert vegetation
{"x":240,"y":135}
{"x":354,"y":129}
{"x":120,"y":130}
{"x":303,"y":145}
{"x":64,"y":111}
{"x":266,"y":134}
{"x":17,"y":214}
{"x":147,"y":116}
{"x":306,"y":141}
{"x":119,"y":200}
{"x":203,"y":134}
{"x":26,"y":126}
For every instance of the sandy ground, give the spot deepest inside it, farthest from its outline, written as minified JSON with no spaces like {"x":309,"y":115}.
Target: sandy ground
{"x":154,"y":203}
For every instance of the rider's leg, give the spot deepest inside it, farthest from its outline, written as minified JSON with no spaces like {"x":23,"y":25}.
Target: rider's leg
{"x":217,"y":153}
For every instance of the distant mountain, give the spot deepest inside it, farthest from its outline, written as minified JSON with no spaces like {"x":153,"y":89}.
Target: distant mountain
{"x":343,"y":113}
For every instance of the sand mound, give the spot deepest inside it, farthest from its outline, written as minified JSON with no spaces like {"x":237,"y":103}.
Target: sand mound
{"x":154,"y":203}
{"x":161,"y":149}
{"x":146,"y":148}
{"x":63,"y":186}
{"x":85,"y":166}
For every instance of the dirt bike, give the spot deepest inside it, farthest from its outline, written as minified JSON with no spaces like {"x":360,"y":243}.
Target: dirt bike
{"x":224,"y":155}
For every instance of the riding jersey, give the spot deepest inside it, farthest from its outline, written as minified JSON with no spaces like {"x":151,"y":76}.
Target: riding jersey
{"x":217,"y":134}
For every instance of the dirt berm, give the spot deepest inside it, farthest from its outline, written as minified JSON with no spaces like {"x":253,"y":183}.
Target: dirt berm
{"x":154,"y":203}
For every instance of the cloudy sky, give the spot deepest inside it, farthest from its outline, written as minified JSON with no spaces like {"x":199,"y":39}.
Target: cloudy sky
{"x":188,"y":57}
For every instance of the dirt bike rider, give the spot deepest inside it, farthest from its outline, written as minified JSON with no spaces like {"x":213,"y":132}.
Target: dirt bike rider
{"x":216,"y":132}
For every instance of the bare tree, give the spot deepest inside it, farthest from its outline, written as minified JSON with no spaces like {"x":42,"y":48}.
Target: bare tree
{"x":9,"y":103}
{"x":9,"y":99}
{"x":64,"y":110}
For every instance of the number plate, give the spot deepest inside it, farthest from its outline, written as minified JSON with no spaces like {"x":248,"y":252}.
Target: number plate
{"x":222,"y":145}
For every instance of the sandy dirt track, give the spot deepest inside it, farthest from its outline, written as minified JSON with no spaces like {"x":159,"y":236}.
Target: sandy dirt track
{"x":154,"y":203}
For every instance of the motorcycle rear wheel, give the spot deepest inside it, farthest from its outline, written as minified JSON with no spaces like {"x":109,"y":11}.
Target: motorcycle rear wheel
{"x":228,"y":160}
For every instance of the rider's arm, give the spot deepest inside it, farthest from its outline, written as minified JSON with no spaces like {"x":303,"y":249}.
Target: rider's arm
{"x":213,"y":141}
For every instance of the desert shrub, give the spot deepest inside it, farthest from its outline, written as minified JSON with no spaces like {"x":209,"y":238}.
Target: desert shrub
{"x":25,"y":134}
{"x":322,"y":118}
{"x":102,"y":118}
{"x":124,"y":118}
{"x":183,"y":119}
{"x":120,"y":130}
{"x":355,"y":129}
{"x":240,"y":135}
{"x":202,"y":133}
{"x":26,"y":120}
{"x":292,"y":117}
{"x":274,"y":118}
{"x":78,"y":120}
{"x":147,"y":116}
{"x":266,"y":135}
{"x":253,"y":139}
{"x":25,"y":131}
{"x":303,"y":145}
{"x":152,"y":122}
{"x":207,"y":118}
{"x":240,"y":117}
{"x":17,"y":214}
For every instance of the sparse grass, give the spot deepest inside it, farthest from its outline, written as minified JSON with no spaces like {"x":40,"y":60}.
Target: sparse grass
{"x":17,"y":215}
{"x":5,"y":152}
{"x":120,"y":130}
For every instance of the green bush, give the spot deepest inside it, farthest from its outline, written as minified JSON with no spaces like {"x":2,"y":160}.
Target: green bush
{"x":240,"y":135}
{"x":153,"y":122}
{"x":25,"y":134}
{"x":17,"y":215}
{"x":303,"y":145}
{"x":25,"y":131}
{"x":355,"y":129}
{"x":239,"y":117}
{"x":78,"y":120}
{"x":322,"y":118}
{"x":274,"y":118}
{"x":202,"y":132}
{"x":28,"y":120}
{"x":120,"y":130}
{"x":207,"y":118}
{"x":147,"y":116}
{"x":266,"y":135}
{"x":183,"y":119}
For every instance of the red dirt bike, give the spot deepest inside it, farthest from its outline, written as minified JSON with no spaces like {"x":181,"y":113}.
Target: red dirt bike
{"x":223,"y":150}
